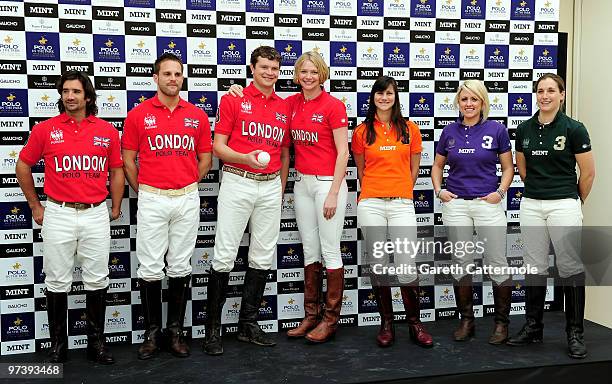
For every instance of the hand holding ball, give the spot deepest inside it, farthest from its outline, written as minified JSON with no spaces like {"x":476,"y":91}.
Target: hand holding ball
{"x":263,"y":158}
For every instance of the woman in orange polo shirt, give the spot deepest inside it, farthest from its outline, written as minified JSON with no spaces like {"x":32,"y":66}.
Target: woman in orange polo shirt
{"x":387,"y":151}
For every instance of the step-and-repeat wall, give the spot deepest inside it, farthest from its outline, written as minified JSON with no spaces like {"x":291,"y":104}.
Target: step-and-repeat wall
{"x":429,"y":46}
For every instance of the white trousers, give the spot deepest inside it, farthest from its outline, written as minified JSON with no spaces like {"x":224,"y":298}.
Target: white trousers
{"x":559,"y":221}
{"x":167,"y":228}
{"x":394,"y":220}
{"x":75,"y":237}
{"x":241,"y":199}
{"x":319,"y":235}
{"x":460,"y":217}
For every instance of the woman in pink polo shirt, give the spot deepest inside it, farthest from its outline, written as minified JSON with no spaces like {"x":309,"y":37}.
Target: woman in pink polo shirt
{"x":319,"y":131}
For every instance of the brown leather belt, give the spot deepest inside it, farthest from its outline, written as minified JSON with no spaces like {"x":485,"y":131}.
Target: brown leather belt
{"x":77,"y":206}
{"x":251,"y":175}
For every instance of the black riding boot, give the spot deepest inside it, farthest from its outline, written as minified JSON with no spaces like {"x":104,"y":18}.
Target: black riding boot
{"x":217,"y":290}
{"x":535,"y":296}
{"x":57,"y":310}
{"x":248,"y":329}
{"x":178,"y":292}
{"x":150,"y":297}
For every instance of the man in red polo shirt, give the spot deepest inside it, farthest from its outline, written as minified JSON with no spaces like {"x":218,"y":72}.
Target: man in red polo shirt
{"x":79,"y":150}
{"x":172,"y":140}
{"x":251,"y":191}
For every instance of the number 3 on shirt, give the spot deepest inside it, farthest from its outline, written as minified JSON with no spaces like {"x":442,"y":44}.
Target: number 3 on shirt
{"x":487,"y":141}
{"x":560,"y":143}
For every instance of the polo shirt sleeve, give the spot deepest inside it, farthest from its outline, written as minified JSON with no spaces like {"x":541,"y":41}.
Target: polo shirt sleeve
{"x":518,"y":141}
{"x":114,"y":151}
{"x":357,"y":141}
{"x":503,"y":140}
{"x":204,"y":138}
{"x":416,"y":141}
{"x":130,"y":139}
{"x":32,"y":152}
{"x":580,"y":142}
{"x":441,"y":147}
{"x":337,"y":117}
{"x":225,"y":115}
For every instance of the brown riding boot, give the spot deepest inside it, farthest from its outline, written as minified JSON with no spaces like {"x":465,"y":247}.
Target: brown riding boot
{"x":502,"y":295}
{"x":333,"y":305}
{"x":465,"y":305}
{"x":312,"y":300}
{"x":386,"y":333}
{"x":418,"y":333}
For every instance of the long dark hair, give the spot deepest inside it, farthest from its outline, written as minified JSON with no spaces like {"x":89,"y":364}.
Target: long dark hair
{"x":399,"y":123}
{"x":91,"y":108}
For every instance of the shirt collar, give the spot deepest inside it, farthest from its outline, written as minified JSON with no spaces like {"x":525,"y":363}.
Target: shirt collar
{"x":380,"y":123}
{"x":460,"y":121}
{"x":322,"y":94}
{"x":65,"y":118}
{"x":157,"y":103}
{"x":536,"y":119}
{"x":252,"y":90}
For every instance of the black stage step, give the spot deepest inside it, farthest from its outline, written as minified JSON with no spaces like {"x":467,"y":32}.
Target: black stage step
{"x":353,"y":357}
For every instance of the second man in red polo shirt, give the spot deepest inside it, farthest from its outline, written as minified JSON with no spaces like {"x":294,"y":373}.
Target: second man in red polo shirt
{"x":171,"y":138}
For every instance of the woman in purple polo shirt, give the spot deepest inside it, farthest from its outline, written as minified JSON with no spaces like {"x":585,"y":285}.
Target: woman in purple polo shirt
{"x":472,"y":199}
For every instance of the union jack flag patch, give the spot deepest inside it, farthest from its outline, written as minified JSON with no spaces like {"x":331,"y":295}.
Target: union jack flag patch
{"x":281,"y":117}
{"x":191,"y":123}
{"x":317,"y":118}
{"x":101,"y":141}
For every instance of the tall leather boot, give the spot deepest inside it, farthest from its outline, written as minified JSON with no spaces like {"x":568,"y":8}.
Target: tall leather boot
{"x":465,"y":305}
{"x":217,"y":291}
{"x":333,"y":305}
{"x":574,"y":292}
{"x":418,"y":333}
{"x":312,"y":300}
{"x":96,"y":316}
{"x":178,"y":292}
{"x":248,"y":328}
{"x":502,"y":296}
{"x":533,"y":329}
{"x":150,"y":297}
{"x":57,"y":311}
{"x":386,"y":333}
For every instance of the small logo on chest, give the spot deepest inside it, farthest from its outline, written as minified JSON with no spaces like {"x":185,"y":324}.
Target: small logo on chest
{"x":57,"y":136}
{"x":99,"y":141}
{"x":316,"y":118}
{"x":191,"y":123}
{"x":467,"y":150}
{"x":281,"y":117}
{"x":246,"y":107}
{"x":150,"y":122}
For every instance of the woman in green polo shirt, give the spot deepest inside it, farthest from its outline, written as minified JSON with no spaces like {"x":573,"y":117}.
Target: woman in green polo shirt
{"x":548,"y":147}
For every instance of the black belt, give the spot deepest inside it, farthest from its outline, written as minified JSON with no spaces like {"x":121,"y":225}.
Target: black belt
{"x":77,"y":206}
{"x":467,"y":197}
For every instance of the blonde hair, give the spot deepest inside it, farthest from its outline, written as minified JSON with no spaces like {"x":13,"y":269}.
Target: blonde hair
{"x":478,"y":88}
{"x":318,"y":62}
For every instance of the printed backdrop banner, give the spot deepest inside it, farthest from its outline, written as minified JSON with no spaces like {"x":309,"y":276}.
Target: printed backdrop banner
{"x":429,"y":46}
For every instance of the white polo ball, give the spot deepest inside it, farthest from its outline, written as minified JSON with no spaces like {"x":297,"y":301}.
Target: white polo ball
{"x":263,"y":158}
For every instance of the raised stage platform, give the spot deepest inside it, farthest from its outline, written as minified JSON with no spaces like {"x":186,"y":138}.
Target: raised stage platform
{"x":354,"y":357}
